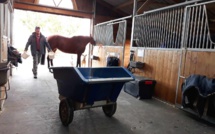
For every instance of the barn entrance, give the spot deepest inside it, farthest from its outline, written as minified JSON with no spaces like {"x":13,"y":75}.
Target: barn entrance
{"x":25,"y":22}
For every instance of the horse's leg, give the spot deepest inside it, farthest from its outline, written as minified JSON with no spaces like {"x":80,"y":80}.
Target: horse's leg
{"x":48,"y":61}
{"x":78,"y":60}
{"x":51,"y":60}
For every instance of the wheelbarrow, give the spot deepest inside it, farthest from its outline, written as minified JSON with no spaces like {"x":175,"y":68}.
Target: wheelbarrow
{"x":84,"y":88}
{"x":4,"y":67}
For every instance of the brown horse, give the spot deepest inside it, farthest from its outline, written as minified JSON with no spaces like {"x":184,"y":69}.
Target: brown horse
{"x":73,"y":45}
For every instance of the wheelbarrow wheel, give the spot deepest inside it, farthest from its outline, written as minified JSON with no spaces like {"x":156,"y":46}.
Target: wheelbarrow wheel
{"x":109,"y":110}
{"x":66,"y":112}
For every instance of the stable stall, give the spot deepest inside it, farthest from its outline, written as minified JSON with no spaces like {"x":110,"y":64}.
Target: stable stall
{"x":175,"y":42}
{"x":110,"y":37}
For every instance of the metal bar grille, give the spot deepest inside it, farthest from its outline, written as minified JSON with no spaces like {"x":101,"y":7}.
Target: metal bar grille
{"x":199,"y":36}
{"x":120,"y":37}
{"x":103,"y":34}
{"x":161,"y":29}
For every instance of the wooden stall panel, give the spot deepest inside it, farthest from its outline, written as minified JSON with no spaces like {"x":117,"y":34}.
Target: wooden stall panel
{"x":103,"y":51}
{"x":199,"y":63}
{"x":127,"y":53}
{"x":161,"y":65}
{"x":174,"y":75}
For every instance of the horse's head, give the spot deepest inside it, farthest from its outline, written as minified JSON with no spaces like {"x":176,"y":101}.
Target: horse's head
{"x":92,"y":41}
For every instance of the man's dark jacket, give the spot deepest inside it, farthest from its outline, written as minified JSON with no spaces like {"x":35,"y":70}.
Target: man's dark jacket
{"x":32,"y":42}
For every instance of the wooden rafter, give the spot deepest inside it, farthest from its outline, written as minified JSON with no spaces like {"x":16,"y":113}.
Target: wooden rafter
{"x":36,"y":1}
{"x":75,"y":7}
{"x":52,"y":10}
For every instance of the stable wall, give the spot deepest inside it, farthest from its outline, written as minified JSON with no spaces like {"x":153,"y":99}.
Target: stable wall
{"x":127,"y":53}
{"x":161,"y":65}
{"x":164,"y":65}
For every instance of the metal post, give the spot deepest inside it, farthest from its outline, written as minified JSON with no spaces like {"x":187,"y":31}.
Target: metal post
{"x":123,"y":53}
{"x":92,"y":32}
{"x":133,"y":21}
{"x":1,"y":26}
{"x":181,"y":57}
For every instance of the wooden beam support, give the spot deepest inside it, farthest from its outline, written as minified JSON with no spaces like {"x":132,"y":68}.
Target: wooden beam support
{"x":75,"y":7}
{"x":36,"y":1}
{"x":52,"y":10}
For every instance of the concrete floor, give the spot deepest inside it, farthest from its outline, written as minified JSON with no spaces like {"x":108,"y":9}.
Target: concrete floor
{"x":32,"y":108}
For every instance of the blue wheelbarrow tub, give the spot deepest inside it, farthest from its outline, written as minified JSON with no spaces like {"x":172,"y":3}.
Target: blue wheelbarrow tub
{"x":86,"y":85}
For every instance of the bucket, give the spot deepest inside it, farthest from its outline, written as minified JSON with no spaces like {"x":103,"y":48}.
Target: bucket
{"x":51,"y":55}
{"x":25,"y":55}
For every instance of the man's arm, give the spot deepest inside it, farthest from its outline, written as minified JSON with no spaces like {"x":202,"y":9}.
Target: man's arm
{"x":47,"y":45}
{"x":28,"y":43}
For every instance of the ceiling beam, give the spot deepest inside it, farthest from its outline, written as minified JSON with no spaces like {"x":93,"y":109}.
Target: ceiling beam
{"x":75,"y":7}
{"x":52,"y":10}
